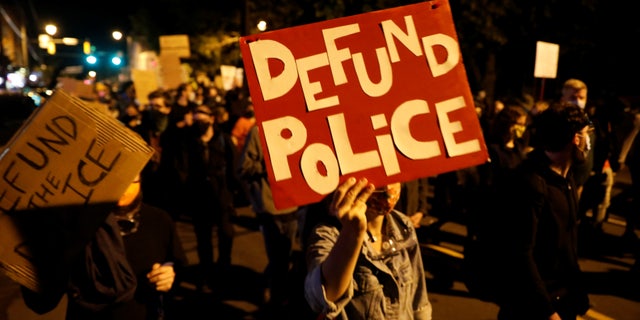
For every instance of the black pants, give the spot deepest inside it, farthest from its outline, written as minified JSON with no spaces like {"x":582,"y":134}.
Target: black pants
{"x":279,"y":232}
{"x":203,"y":224}
{"x":568,"y":306}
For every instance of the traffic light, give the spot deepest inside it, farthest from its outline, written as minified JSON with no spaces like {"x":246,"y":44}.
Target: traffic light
{"x":86,"y":47}
{"x":51,"y":48}
{"x":116,"y":61}
{"x":91,"y":59}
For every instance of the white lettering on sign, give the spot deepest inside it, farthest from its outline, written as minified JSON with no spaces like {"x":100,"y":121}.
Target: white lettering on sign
{"x":448,"y":128}
{"x":323,"y":163}
{"x":276,"y":86}
{"x":287,"y":135}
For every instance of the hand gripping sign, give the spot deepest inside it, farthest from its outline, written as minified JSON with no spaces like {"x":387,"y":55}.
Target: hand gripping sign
{"x":382,"y":95}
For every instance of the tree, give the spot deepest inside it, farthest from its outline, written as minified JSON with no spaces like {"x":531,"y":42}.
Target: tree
{"x":497,"y":38}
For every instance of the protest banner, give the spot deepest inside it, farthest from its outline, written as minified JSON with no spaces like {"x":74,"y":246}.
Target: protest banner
{"x":546,"y":64}
{"x":68,"y":155}
{"x":146,"y":81}
{"x":382,"y":95}
{"x":172,"y":71}
{"x":175,"y":44}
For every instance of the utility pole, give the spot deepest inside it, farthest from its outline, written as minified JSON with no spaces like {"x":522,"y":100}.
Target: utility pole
{"x":25,"y":50}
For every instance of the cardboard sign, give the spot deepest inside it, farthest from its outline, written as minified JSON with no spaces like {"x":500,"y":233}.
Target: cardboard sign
{"x":177,"y":44}
{"x":171,"y":71}
{"x":382,"y":95}
{"x":67,"y":155}
{"x":146,"y":82}
{"x":77,"y":88}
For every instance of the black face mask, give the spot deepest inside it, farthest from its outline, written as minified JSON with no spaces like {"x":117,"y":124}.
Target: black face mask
{"x":201,"y":127}
{"x":128,"y":217}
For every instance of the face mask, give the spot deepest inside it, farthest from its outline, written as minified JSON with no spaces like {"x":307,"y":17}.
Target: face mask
{"x":128,"y":216}
{"x":580,"y":103}
{"x":201,"y":127}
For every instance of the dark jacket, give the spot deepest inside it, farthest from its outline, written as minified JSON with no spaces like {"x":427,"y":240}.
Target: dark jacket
{"x":156,"y":241}
{"x":537,"y":235}
{"x":253,"y":174}
{"x":413,"y":197}
{"x":210,"y":172}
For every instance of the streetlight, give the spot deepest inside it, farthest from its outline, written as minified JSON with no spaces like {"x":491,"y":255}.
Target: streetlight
{"x":117,"y":35}
{"x":262,"y":25}
{"x":47,"y":41}
{"x":51,"y":29}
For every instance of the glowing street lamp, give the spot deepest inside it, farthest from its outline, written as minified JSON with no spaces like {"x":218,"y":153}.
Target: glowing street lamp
{"x":262,"y":25}
{"x":117,"y":35}
{"x":51,"y":29}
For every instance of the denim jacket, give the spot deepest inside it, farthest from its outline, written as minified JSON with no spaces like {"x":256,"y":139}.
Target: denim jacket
{"x":383,"y":287}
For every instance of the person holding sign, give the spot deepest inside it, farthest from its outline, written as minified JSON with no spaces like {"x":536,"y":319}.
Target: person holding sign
{"x":127,"y":270}
{"x":363,"y":259}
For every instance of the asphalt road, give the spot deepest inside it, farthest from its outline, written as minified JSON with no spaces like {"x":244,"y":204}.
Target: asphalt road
{"x":613,"y":288}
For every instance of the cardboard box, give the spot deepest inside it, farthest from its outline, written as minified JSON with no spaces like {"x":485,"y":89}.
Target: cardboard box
{"x":61,"y":173}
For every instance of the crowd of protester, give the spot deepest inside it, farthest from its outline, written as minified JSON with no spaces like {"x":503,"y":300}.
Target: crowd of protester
{"x":208,"y":162}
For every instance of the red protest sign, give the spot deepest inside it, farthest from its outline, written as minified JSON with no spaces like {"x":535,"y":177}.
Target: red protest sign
{"x":382,"y":95}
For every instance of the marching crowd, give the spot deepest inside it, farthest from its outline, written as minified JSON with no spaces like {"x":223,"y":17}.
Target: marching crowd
{"x":539,"y":203}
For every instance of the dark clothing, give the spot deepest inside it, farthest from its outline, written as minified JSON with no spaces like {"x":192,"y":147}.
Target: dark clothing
{"x":171,"y":171}
{"x":632,"y":161}
{"x":484,"y":217}
{"x":279,"y":233}
{"x":178,"y":112}
{"x":210,"y":176}
{"x":537,"y":234}
{"x":503,"y":161}
{"x":494,"y":179}
{"x":583,"y":171}
{"x":413,"y":197}
{"x":153,"y":123}
{"x":156,"y":241}
{"x":279,"y":226}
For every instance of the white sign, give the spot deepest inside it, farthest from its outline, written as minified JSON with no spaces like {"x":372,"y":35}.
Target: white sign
{"x":546,"y":60}
{"x":229,"y":74}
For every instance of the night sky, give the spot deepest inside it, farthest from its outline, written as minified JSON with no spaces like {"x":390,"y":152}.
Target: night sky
{"x":94,"y":20}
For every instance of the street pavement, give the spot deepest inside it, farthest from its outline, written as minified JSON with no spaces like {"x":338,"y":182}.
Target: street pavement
{"x":614,"y":290}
